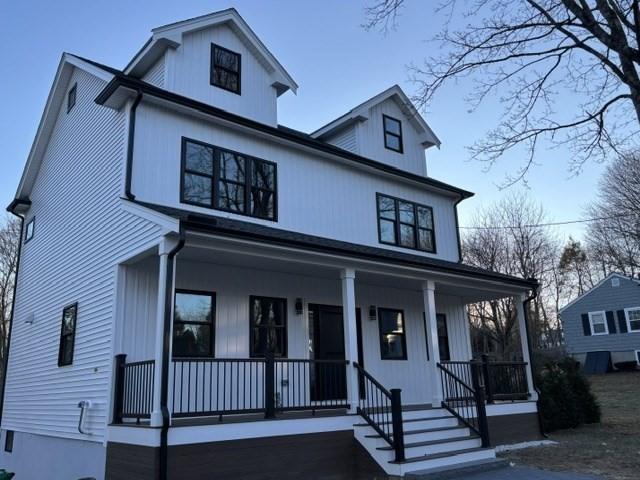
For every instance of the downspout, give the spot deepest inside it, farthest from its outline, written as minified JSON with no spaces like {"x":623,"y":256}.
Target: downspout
{"x":130,"y":142}
{"x":164,"y":390}
{"x":455,"y":211}
{"x":525,"y":304}
{"x":13,"y":303}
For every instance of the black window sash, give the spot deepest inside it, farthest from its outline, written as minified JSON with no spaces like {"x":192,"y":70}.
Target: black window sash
{"x":211,"y":324}
{"x":398,"y":224}
{"x":228,"y":71}
{"x":403,"y":335}
{"x":264,"y":328}
{"x":386,"y":118}
{"x":67,"y":338}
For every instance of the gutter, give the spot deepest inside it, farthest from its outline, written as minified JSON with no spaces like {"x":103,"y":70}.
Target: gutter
{"x":455,"y":211}
{"x":130,"y":142}
{"x":525,"y":304}
{"x":166,"y":344}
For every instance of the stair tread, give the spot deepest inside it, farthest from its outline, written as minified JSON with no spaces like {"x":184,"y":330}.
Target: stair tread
{"x":409,"y":420}
{"x":427,"y":430}
{"x":427,"y":443}
{"x":433,"y":456}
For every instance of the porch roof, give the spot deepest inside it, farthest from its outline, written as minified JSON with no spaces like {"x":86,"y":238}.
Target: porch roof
{"x":249,"y":230}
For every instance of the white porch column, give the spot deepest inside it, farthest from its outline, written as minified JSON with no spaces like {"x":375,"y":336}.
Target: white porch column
{"x":164,"y":248}
{"x":524,"y":342}
{"x":347,"y":277}
{"x":428,"y":297}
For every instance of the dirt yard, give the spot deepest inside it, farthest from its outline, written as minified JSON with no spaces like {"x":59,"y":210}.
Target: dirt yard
{"x":610,"y":449}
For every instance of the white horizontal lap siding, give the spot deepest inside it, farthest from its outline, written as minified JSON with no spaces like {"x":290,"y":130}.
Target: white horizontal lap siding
{"x":155,"y":75}
{"x":315,"y":195}
{"x":189,"y":70}
{"x":79,"y":232}
{"x":346,"y":139}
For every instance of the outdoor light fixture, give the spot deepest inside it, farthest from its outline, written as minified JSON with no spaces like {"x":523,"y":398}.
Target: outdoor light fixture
{"x":299,"y":306}
{"x":372,"y":313}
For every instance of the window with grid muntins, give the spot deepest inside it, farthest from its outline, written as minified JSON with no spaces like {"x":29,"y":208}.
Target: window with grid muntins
{"x":405,"y":224}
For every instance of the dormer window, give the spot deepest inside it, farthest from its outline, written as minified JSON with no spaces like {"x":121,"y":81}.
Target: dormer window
{"x":225,"y":68}
{"x":392,"y":133}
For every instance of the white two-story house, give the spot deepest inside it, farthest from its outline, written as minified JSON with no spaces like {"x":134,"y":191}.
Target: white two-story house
{"x":204,"y":293}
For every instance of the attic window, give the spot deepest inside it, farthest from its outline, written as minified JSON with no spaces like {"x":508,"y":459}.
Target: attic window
{"x":225,"y":69}
{"x":71,"y":97}
{"x":392,"y":133}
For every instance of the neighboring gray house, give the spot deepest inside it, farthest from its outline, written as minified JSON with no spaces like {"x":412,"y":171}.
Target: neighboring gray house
{"x":606,"y":318}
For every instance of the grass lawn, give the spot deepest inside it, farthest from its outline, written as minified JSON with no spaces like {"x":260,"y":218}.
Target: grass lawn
{"x":610,"y":449}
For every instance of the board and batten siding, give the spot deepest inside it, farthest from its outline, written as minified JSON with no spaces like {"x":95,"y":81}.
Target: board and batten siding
{"x":608,"y":298}
{"x":80,"y":231}
{"x":316,"y":196}
{"x":155,"y":74}
{"x":188,"y":74}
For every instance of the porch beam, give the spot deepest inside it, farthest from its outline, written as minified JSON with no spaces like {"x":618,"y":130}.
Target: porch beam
{"x":429,"y":300}
{"x":524,"y":343}
{"x":347,"y":277}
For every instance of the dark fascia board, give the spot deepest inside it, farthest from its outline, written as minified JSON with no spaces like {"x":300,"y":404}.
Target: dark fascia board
{"x":192,"y":221}
{"x":16,"y":202}
{"x":130,"y":83}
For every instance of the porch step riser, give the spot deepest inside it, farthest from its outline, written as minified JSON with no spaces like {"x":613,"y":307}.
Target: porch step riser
{"x":425,"y":437}
{"x":433,"y":412}
{"x":428,"y":424}
{"x":452,"y":461}
{"x":442,"y":448}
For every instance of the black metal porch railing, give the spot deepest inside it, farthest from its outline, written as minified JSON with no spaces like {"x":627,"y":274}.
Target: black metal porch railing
{"x":465,"y":401}
{"x":133,"y":389}
{"x":382,"y":410}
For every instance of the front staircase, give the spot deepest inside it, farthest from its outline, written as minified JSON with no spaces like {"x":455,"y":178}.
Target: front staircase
{"x":433,"y":439}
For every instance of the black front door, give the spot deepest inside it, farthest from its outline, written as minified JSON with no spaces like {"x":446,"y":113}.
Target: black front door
{"x":328,"y":379}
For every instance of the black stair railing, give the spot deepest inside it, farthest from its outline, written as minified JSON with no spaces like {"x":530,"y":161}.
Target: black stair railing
{"x":382,"y":410}
{"x":465,"y":402}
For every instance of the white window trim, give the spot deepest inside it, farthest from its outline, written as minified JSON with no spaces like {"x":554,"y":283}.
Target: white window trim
{"x":606,"y":326}
{"x":626,"y":315}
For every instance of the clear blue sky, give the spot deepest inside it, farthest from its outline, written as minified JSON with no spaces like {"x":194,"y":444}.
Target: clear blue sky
{"x":322,"y":44}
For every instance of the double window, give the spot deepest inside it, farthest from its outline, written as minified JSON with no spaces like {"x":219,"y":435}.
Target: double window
{"x":67,"y":335}
{"x":393,"y":344}
{"x":392,"y":133}
{"x":598,"y":321}
{"x":214,"y":177}
{"x":268,"y":326}
{"x":225,"y":68}
{"x":194,"y":324}
{"x":633,"y":319}
{"x":405,"y":224}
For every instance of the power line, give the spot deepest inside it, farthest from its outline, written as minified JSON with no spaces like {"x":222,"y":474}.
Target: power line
{"x":550,"y":224}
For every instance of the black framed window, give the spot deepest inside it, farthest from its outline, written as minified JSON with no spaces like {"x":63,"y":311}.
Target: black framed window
{"x":194,"y":324}
{"x":393,"y":344}
{"x":405,"y":224}
{"x":218,"y":178}
{"x":225,"y":68}
{"x":392,"y":133}
{"x":268,"y":326}
{"x":443,"y":337}
{"x":71,"y":97}
{"x":67,"y":335}
{"x":8,"y":441}
{"x":29,"y":230}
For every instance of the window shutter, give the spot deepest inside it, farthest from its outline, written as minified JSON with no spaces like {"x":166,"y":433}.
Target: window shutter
{"x":585,"y":324}
{"x":611,"y":322}
{"x":622,"y":321}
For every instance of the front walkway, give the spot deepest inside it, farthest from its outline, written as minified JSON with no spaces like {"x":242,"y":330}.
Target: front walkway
{"x":523,"y":473}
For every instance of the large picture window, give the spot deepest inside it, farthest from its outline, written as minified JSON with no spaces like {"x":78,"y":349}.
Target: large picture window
{"x":268,"y":326}
{"x":67,"y":335}
{"x":405,"y":224}
{"x":393,"y":345}
{"x":225,"y":68}
{"x":194,"y":324}
{"x":214,"y":177}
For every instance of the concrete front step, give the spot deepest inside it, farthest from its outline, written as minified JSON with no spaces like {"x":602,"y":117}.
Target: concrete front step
{"x":441,"y":460}
{"x":432,"y":447}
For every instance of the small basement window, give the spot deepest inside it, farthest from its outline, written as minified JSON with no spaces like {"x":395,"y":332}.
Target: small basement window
{"x":67,"y":335}
{"x":225,"y":68}
{"x":633,"y":319}
{"x":392,"y":133}
{"x":598,"y":321}
{"x":28,"y":233}
{"x":8,"y":441}
{"x":71,"y":97}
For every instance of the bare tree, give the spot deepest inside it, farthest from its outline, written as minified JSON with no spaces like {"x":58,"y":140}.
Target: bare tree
{"x":575,"y":269}
{"x":529,"y":54}
{"x":614,"y":238}
{"x":9,"y":241}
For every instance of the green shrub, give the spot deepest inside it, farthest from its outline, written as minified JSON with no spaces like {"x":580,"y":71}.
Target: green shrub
{"x":566,"y":400}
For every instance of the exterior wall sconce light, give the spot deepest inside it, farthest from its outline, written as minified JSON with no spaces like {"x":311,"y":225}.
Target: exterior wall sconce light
{"x":372,"y":313}
{"x":299,"y":306}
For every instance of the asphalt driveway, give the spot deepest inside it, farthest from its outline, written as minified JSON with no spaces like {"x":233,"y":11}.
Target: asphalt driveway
{"x":524,"y":473}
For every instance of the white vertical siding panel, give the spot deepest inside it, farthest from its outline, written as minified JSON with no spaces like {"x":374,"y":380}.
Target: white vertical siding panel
{"x":457,"y":325}
{"x":79,"y":230}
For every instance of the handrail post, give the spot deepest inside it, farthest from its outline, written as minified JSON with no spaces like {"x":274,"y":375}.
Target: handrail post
{"x":269,"y":385}
{"x":488,"y":387}
{"x":118,"y":387}
{"x":480,"y":406}
{"x":396,"y":420}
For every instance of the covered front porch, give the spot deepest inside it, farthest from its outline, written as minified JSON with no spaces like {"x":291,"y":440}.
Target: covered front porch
{"x":220,"y":328}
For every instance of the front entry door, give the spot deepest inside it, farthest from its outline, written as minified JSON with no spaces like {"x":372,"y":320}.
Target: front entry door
{"x":328,"y":380}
